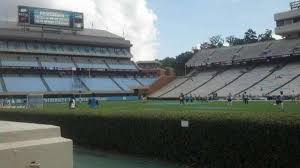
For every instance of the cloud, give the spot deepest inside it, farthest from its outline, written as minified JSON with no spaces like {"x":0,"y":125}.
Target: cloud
{"x":131,"y":18}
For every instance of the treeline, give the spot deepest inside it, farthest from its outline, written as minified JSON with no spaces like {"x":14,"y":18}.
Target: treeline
{"x":217,"y":41}
{"x":177,"y":63}
{"x":250,"y":36}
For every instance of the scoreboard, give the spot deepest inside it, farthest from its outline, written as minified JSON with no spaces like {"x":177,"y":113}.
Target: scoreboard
{"x":42,"y":17}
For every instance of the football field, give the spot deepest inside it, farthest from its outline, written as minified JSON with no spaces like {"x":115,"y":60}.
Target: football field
{"x":255,"y":109}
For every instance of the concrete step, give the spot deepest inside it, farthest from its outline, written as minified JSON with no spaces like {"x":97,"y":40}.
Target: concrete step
{"x":14,"y":131}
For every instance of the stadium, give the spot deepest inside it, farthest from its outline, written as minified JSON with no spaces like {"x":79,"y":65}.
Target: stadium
{"x":56,"y":63}
{"x":45,"y":63}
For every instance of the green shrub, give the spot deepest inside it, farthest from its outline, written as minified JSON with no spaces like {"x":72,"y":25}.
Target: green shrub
{"x":208,"y":142}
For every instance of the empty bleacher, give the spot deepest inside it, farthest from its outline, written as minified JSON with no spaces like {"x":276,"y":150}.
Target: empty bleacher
{"x":146,"y":81}
{"x":171,"y":86}
{"x":201,"y":58}
{"x":18,"y":61}
{"x":254,"y":51}
{"x":63,"y":49}
{"x":24,"y":83}
{"x":59,"y":62}
{"x":101,"y":84}
{"x":292,"y":88}
{"x":283,"y":47}
{"x":63,"y":62}
{"x":191,"y":83}
{"x":223,"y":55}
{"x":246,"y":80}
{"x":127,"y":83}
{"x":60,"y":84}
{"x":90,"y":63}
{"x":120,"y":64}
{"x":217,"y":82}
{"x":275,"y":80}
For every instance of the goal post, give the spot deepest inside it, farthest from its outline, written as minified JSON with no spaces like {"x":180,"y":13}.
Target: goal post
{"x":35,"y":101}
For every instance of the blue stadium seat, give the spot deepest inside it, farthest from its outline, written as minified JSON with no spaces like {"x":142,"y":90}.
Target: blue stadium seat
{"x":60,"y":84}
{"x":103,"y":84}
{"x":127,"y":83}
{"x":147,"y":81}
{"x":16,"y":83}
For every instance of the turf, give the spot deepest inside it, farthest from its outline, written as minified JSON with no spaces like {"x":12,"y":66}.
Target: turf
{"x":257,"y":110}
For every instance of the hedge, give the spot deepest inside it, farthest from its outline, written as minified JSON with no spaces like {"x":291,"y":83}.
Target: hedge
{"x":210,"y":143}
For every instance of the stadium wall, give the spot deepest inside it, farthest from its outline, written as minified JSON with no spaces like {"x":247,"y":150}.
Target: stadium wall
{"x":223,"y":141}
{"x":160,"y":83}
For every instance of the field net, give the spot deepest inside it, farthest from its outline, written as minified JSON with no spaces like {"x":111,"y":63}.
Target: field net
{"x":35,"y":101}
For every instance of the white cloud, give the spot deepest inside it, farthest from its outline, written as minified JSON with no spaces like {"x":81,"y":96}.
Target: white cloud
{"x":277,"y":37}
{"x":129,"y":17}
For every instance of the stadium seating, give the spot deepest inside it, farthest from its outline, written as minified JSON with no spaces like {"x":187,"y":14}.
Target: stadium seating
{"x":121,"y":64}
{"x":223,"y":55}
{"x":169,"y":87}
{"x":283,"y":47}
{"x":201,"y":58}
{"x":146,"y":81}
{"x":90,"y":63}
{"x":58,"y":62}
{"x":276,"y":80}
{"x":219,"y":81}
{"x":60,"y":84}
{"x":292,"y":88}
{"x":24,"y":83}
{"x":127,"y":83}
{"x":18,"y":61}
{"x":245,"y":81}
{"x":191,"y":83}
{"x":254,"y":51}
{"x":101,"y":84}
{"x":52,"y":56}
{"x":46,"y":48}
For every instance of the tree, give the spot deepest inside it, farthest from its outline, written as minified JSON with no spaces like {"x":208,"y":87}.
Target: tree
{"x":216,"y":41}
{"x":178,"y":63}
{"x":267,"y":36}
{"x":205,"y":45}
{"x":250,"y":36}
{"x":233,"y":41}
{"x":168,"y":62}
{"x":181,"y":60}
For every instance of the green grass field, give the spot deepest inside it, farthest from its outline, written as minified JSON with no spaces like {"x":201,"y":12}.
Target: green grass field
{"x":256,"y":110}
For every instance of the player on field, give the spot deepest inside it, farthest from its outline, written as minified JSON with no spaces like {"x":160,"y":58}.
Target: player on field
{"x":279,"y":101}
{"x":72,"y":103}
{"x":229,"y":99}
{"x":181,"y":98}
{"x":245,"y":98}
{"x":93,"y":102}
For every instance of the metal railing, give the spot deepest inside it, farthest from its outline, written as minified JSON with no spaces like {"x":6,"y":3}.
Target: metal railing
{"x":295,"y":4}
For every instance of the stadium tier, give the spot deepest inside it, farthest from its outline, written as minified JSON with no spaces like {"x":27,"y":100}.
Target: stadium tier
{"x":58,"y":62}
{"x":260,"y":69}
{"x":249,"y":52}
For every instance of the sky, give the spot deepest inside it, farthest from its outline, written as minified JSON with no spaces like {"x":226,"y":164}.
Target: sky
{"x":183,"y":24}
{"x":164,"y":28}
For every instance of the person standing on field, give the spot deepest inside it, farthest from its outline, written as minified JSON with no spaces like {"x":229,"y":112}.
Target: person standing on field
{"x":281,"y":98}
{"x":93,"y":102}
{"x":181,"y":98}
{"x":245,"y":98}
{"x":72,"y":103}
{"x":229,"y":99}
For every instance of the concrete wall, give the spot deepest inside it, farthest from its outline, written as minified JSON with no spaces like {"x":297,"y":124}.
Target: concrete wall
{"x":32,"y":146}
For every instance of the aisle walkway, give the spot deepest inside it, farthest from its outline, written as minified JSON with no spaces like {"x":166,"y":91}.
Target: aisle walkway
{"x":88,"y":159}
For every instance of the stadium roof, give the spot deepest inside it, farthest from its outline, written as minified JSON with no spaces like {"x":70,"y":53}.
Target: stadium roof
{"x":148,"y":62}
{"x":10,"y":30}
